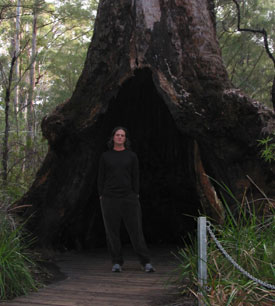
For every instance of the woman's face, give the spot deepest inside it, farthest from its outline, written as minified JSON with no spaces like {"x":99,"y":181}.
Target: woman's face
{"x":119,"y":138}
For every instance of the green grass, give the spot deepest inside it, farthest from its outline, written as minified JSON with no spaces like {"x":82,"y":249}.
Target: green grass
{"x":249,"y":240}
{"x":15,"y":262}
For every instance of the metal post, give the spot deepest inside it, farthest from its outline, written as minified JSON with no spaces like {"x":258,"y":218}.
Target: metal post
{"x":202,"y":257}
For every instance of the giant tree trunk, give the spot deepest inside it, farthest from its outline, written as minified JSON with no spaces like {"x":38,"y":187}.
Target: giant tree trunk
{"x":155,"y":67}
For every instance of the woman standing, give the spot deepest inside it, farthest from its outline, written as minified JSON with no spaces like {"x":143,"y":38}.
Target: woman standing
{"x":118,"y":187}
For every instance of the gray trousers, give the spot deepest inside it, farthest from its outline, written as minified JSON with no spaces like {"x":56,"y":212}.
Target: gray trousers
{"x":128,"y":210}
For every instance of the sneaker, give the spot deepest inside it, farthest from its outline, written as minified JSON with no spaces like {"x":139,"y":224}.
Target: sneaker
{"x":116,"y":268}
{"x":149,"y":268}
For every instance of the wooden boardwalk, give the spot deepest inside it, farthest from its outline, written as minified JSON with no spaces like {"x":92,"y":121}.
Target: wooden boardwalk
{"x":90,"y":282}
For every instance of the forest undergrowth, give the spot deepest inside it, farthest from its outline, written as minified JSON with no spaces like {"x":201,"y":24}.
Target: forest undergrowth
{"x":248,"y":237}
{"x":16,"y":262}
{"x":22,"y":268}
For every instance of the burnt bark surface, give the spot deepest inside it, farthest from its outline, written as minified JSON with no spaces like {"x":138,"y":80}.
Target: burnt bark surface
{"x":155,"y":67}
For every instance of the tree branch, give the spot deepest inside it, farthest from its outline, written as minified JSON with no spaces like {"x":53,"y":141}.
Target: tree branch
{"x":263,"y":32}
{"x":266,"y":45}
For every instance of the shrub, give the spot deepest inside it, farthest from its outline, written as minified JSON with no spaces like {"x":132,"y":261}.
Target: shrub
{"x":15,"y":261}
{"x":249,"y":239}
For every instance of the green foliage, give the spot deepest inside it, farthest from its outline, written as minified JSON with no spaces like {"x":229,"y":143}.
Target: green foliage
{"x":67,"y":40}
{"x":245,"y":58}
{"x":15,"y":263}
{"x":250,"y":241}
{"x":268,"y":152}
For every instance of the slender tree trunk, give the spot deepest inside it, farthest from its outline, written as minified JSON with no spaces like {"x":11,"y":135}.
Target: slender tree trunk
{"x":16,"y":90}
{"x":273,"y":93}
{"x":30,"y":107}
{"x":17,"y":50}
{"x":5,"y":150}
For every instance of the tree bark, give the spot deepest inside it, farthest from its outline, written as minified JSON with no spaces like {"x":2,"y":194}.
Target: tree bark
{"x":154,"y":66}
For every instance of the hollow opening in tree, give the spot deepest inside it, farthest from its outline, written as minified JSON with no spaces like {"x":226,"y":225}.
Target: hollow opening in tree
{"x":167,"y":183}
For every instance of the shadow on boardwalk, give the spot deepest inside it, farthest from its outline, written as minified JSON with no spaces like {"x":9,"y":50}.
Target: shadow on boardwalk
{"x":89,"y":282}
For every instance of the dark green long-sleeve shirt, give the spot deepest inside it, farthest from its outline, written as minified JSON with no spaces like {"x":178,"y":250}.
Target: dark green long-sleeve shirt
{"x":118,"y":174}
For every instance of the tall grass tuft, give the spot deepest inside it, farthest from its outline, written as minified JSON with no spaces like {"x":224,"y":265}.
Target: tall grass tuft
{"x":15,"y":261}
{"x":249,"y":239}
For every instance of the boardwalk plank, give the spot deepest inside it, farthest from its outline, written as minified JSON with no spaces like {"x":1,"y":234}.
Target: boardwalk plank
{"x":90,"y":282}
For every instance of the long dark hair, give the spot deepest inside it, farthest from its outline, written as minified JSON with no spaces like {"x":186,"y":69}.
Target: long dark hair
{"x":127,"y":143}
